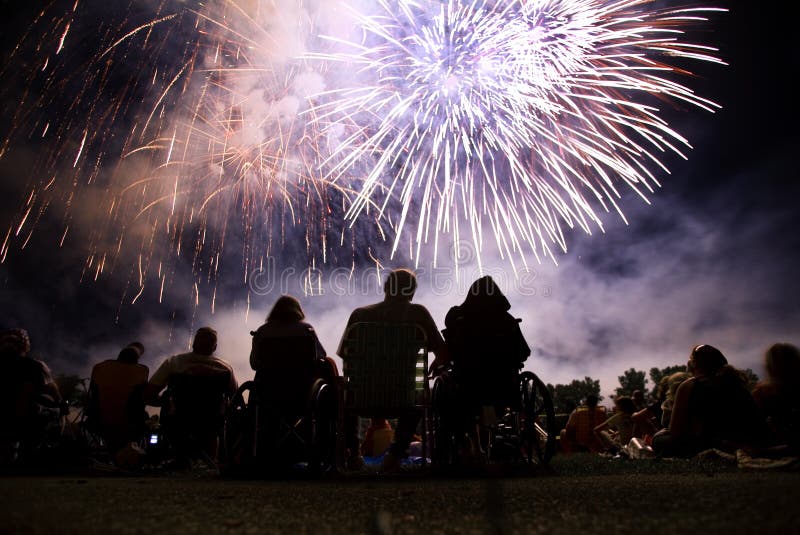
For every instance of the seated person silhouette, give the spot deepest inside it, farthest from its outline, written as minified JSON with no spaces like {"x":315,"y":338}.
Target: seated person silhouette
{"x":116,"y":398}
{"x":396,"y":307}
{"x":26,"y":387}
{"x":487,"y":350}
{"x":197,"y":385}
{"x":778,"y":396}
{"x":578,"y":434}
{"x":285,"y":321}
{"x":617,"y":430}
{"x":712,"y":409}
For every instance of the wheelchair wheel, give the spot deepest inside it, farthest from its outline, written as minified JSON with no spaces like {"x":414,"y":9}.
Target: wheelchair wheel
{"x":443,"y":439}
{"x":537,"y":420}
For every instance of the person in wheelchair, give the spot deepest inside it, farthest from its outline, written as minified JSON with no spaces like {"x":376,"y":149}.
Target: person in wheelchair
{"x":288,"y":416}
{"x":285,"y":320}
{"x":487,"y":351}
{"x":198,"y":385}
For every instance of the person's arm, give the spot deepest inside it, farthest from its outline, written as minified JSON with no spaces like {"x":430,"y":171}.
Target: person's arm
{"x":234,"y":384}
{"x":253,"y":358}
{"x":351,"y":320}
{"x":434,"y":340}
{"x":679,"y":420}
{"x":156,"y":384}
{"x":321,"y":353}
{"x":610,"y":421}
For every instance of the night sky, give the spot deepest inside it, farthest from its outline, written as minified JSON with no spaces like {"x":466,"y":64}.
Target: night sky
{"x":713,"y":259}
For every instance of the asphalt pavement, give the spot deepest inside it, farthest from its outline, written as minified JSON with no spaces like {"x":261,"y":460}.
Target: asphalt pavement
{"x":632,"y":502}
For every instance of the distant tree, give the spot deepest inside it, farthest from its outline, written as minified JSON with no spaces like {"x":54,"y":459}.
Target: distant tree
{"x":567,"y":397}
{"x":656,"y":374}
{"x":629,"y":381}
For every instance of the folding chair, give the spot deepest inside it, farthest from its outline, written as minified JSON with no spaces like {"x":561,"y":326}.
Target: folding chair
{"x":385,"y":372}
{"x":485,"y":373}
{"x":195,"y":416}
{"x":289,"y":415}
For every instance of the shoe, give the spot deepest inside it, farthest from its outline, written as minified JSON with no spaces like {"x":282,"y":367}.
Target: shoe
{"x":390,"y":464}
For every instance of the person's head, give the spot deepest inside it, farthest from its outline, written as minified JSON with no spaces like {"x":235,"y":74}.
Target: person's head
{"x":286,"y":309}
{"x":205,"y":341}
{"x":625,"y":404}
{"x":400,"y":284}
{"x":138,"y":346}
{"x":663,"y":388}
{"x":782,"y":362}
{"x":591,"y":401}
{"x":129,"y":355}
{"x":15,"y":343}
{"x":705,"y":360}
{"x":484,"y":294}
{"x":638,"y":397}
{"x":673,"y":382}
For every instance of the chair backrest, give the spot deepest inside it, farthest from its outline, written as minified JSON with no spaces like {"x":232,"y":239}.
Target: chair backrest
{"x":115,"y":393}
{"x":586,"y":420}
{"x":287,"y":369}
{"x":385,"y":367}
{"x":199,"y":396}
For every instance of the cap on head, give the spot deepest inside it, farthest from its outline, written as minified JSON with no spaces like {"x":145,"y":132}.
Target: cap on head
{"x":400,"y":283}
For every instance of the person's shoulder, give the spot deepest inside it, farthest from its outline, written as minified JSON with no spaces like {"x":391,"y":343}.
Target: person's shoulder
{"x":688,"y":385}
{"x":306,"y":326}
{"x":366,"y":312}
{"x":419,"y":310}
{"x":417,"y":306}
{"x":108,"y":363}
{"x":221,"y":361}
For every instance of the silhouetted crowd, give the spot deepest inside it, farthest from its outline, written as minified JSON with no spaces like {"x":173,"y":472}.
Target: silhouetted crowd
{"x":707,"y":407}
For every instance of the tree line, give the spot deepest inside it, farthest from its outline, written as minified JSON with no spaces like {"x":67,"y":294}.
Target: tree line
{"x":568,"y":396}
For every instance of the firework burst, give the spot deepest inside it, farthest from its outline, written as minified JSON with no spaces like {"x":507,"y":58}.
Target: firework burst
{"x":523,"y":117}
{"x":178,"y":140}
{"x":232,"y":129}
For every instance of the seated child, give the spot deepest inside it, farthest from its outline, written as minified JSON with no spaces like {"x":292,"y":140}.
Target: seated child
{"x":617,"y":430}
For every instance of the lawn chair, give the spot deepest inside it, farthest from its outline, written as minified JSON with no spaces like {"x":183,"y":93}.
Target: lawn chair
{"x":385,"y":372}
{"x":194,"y":418}
{"x":485,"y":378}
{"x":287,"y":415}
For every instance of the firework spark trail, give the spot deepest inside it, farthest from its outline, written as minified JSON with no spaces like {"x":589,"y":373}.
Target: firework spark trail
{"x":180,"y":133}
{"x":521,"y":116}
{"x":230,"y":128}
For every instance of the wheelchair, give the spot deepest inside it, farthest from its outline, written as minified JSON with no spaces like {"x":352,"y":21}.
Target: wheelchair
{"x":283,"y":421}
{"x":521,"y":424}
